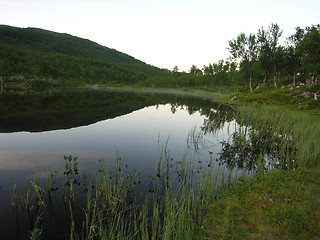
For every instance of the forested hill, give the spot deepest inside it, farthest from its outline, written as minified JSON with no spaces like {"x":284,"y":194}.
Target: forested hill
{"x":33,"y":51}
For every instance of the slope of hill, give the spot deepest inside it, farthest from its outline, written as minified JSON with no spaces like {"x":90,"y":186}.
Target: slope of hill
{"x":33,"y":51}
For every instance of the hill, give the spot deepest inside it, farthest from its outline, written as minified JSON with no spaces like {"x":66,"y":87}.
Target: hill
{"x":36,"y":52}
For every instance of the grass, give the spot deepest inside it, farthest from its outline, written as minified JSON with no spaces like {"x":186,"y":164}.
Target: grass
{"x":197,"y":92}
{"x":302,"y":127}
{"x":290,"y":98}
{"x":278,"y":205}
{"x":282,"y":204}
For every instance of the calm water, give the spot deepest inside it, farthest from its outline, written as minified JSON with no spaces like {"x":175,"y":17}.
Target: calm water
{"x":37,"y":129}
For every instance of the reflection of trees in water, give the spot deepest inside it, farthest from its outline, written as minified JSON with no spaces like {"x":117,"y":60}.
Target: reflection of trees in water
{"x":66,"y":108}
{"x":253,"y":149}
{"x":249,"y":147}
{"x":1,"y":85}
{"x":217,"y":117}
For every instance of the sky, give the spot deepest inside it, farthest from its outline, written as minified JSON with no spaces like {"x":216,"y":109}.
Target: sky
{"x":163,"y":33}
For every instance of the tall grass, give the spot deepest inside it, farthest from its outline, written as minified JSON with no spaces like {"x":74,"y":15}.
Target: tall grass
{"x":117,"y":208}
{"x":302,"y":129}
{"x":170,"y":212}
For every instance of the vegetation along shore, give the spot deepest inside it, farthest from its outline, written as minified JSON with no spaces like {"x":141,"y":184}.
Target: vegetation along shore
{"x":273,"y":90}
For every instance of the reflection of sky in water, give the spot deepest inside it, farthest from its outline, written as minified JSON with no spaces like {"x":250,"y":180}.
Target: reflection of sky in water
{"x":132,"y":133}
{"x":137,"y":138}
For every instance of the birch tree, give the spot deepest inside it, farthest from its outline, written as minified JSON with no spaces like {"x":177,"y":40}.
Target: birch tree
{"x":245,"y":48}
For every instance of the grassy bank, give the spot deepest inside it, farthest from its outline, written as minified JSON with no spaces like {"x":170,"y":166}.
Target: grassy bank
{"x":278,"y":205}
{"x":282,"y":204}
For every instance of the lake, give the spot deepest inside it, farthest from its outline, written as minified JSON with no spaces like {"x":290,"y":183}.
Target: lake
{"x":98,"y":127}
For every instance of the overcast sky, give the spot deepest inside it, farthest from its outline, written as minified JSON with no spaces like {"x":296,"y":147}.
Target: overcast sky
{"x":163,"y":33}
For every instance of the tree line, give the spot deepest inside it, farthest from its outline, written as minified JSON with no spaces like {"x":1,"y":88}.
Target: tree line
{"x":301,"y":53}
{"x":256,"y":59}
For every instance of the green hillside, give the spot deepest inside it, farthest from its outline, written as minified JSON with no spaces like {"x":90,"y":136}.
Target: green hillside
{"x":33,"y":52}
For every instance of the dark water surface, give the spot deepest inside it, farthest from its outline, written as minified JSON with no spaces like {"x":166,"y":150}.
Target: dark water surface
{"x":37,"y":129}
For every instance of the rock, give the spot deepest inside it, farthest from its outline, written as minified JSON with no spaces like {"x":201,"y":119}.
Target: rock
{"x":309,"y":82}
{"x":300,"y":107}
{"x":306,"y":95}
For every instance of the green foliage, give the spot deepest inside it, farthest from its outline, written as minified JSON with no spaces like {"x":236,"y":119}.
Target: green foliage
{"x":40,"y":54}
{"x":40,"y":40}
{"x":310,"y":48}
{"x":43,"y":57}
{"x":220,"y":79}
{"x":245,"y":48}
{"x":272,"y":62}
{"x":42,"y":68}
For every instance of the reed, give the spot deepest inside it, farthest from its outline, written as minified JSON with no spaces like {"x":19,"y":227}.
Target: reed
{"x":295,"y":128}
{"x":195,"y":138}
{"x":117,"y":208}
{"x":173,"y":210}
{"x":33,"y":205}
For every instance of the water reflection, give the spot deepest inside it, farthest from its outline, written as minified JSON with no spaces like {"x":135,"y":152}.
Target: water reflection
{"x":52,"y":110}
{"x":257,"y":149}
{"x":148,"y":136}
{"x":39,"y":128}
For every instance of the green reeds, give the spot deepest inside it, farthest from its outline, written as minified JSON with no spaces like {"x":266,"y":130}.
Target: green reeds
{"x":116,"y":207}
{"x":195,"y":138}
{"x":299,"y":131}
{"x":174,"y":210}
{"x":33,"y":206}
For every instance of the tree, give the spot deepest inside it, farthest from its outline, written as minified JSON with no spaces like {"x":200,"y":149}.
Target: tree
{"x":195,"y":70}
{"x":208,"y":70}
{"x":175,"y":69}
{"x":245,"y":48}
{"x":208,"y":73}
{"x":292,"y":61}
{"x":293,"y":54}
{"x":310,"y":48}
{"x":270,"y":51}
